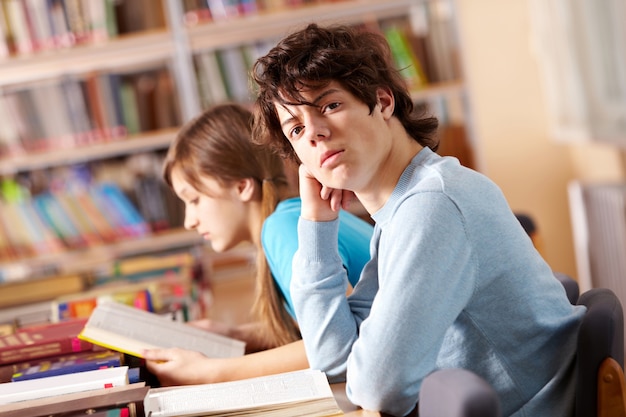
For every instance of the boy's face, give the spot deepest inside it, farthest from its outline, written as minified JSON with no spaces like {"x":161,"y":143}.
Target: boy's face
{"x":337,"y":138}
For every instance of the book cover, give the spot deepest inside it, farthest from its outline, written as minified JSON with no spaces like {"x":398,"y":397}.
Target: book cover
{"x":43,"y":341}
{"x":31,"y":389}
{"x":130,"y":330}
{"x":299,"y":393}
{"x":70,"y":364}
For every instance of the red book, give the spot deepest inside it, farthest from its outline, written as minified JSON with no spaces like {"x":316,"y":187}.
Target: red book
{"x":43,"y":341}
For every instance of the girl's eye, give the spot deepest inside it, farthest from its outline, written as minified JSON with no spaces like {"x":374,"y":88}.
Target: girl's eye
{"x":194,"y":201}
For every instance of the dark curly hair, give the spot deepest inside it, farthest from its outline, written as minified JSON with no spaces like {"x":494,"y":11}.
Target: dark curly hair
{"x":359,"y":60}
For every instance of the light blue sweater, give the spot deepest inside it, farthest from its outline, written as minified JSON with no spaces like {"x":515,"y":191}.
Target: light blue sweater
{"x":454,"y":281}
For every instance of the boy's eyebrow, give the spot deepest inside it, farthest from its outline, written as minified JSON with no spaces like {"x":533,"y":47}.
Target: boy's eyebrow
{"x":324,"y":94}
{"x":313,"y":103}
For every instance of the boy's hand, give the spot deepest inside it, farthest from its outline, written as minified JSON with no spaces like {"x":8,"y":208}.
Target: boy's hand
{"x":320,"y":203}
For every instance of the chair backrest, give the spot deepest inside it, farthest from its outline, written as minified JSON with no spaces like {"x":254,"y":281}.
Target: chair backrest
{"x":571,"y":286}
{"x":457,"y":392}
{"x":600,"y":356}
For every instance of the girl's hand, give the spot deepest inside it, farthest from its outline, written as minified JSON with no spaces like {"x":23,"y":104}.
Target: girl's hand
{"x":320,"y":203}
{"x":182,"y":367}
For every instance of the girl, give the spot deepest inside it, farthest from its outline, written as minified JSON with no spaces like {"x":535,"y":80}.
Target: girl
{"x":235,"y":191}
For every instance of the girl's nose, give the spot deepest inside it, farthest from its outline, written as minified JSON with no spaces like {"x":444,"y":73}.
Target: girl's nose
{"x":191,"y":222}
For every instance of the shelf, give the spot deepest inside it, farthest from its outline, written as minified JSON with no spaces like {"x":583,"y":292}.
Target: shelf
{"x":87,"y":260}
{"x":126,"y":51}
{"x":437,"y":90}
{"x":223,"y":34}
{"x":132,"y":144}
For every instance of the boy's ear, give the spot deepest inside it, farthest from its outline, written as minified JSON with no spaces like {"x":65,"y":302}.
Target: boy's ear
{"x":246,"y":189}
{"x":386,"y":101}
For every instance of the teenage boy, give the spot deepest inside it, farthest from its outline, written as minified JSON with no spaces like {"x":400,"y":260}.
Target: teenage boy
{"x":454,"y":281}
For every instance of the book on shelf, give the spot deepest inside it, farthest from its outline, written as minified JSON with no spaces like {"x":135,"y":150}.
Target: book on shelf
{"x":234,"y":73}
{"x":31,"y":389}
{"x":298,"y":393}
{"x":81,"y":305}
{"x":14,"y":231}
{"x":212,"y":89}
{"x":48,"y":207}
{"x":40,"y":341}
{"x":130,"y":330}
{"x":118,"y":210}
{"x":69,"y":364}
{"x":128,"y":398}
{"x":37,"y":25}
{"x":405,"y":59}
{"x":40,"y":289}
{"x":10,"y":140}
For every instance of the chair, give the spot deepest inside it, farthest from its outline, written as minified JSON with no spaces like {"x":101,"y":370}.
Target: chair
{"x":571,"y":286}
{"x":600,"y":388}
{"x":457,"y":392}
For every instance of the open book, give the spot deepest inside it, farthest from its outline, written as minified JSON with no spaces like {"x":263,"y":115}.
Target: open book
{"x":130,"y":330}
{"x":299,"y":393}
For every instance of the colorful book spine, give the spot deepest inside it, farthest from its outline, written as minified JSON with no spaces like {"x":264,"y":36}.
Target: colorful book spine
{"x":127,"y":215}
{"x":52,"y":213}
{"x":405,"y":59}
{"x":95,"y":360}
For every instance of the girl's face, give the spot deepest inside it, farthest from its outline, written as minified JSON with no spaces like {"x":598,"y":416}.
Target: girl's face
{"x":219,"y":213}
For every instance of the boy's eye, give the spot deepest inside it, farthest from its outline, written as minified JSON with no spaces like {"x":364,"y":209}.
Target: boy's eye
{"x":331,"y":106}
{"x":296,"y":131}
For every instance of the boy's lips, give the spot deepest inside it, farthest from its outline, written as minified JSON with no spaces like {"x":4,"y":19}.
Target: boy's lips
{"x":328,"y":155}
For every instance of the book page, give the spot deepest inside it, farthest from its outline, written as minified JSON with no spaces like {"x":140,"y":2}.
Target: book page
{"x":128,"y":329}
{"x":273,"y":391}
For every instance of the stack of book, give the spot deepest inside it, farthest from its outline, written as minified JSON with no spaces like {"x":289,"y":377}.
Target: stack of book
{"x":48,"y":389}
{"x":47,"y":349}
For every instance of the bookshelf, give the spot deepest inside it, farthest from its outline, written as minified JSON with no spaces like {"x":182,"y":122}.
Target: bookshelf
{"x":173,"y":46}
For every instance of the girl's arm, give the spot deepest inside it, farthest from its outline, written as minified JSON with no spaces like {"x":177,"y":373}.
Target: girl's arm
{"x":183,"y":367}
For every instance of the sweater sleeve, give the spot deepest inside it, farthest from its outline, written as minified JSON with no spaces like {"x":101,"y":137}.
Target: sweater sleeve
{"x":318,"y":289}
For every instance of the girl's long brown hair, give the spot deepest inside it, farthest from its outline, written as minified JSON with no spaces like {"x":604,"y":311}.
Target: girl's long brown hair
{"x":218,"y":144}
